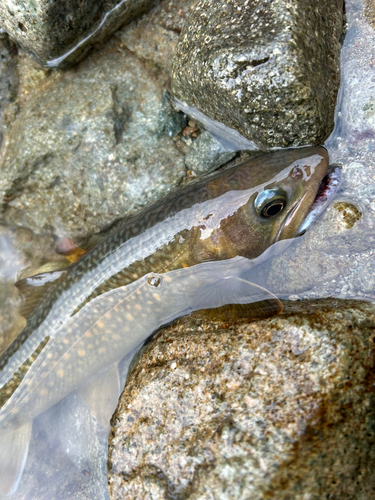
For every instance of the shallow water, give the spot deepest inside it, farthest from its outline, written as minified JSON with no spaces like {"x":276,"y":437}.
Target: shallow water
{"x":335,"y":258}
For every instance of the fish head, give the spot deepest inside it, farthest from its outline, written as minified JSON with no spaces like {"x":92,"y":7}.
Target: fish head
{"x":296,"y":186}
{"x":281,"y":206}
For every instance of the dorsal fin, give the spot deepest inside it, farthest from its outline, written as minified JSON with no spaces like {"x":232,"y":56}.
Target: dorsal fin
{"x":34,"y":287}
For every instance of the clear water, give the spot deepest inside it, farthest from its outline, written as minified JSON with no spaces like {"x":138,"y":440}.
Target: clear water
{"x":335,"y":258}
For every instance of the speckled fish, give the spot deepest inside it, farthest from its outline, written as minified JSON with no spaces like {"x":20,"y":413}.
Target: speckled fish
{"x":147,"y":272}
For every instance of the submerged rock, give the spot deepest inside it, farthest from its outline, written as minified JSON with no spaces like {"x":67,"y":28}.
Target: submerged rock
{"x":154,"y":36}
{"x":280,"y":408}
{"x":171,"y":122}
{"x":206,"y":154}
{"x":9,"y":79}
{"x":89,"y":146}
{"x":268,"y":70}
{"x":63,"y":31}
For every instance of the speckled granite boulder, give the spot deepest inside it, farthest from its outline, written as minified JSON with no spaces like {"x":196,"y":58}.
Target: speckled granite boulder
{"x":281,"y":408}
{"x":52,"y":30}
{"x":269,"y":70}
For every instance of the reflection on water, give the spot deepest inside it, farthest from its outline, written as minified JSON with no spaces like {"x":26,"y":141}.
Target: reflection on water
{"x":335,"y":258}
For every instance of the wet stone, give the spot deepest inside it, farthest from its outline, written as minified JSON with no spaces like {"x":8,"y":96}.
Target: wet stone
{"x":269,"y":71}
{"x":171,"y":122}
{"x":9,"y":79}
{"x":280,"y":408}
{"x":206,"y":154}
{"x":370,"y":12}
{"x":53,"y":32}
{"x":321,"y":263}
{"x":154,"y":36}
{"x":89,"y":146}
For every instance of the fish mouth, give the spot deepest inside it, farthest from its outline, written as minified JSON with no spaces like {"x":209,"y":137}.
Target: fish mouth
{"x":327,"y":190}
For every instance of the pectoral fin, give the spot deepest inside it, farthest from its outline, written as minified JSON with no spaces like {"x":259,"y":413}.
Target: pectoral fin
{"x":74,"y":250}
{"x":260,"y":303}
{"x":34,"y":287}
{"x":101,"y":394}
{"x":14,"y":446}
{"x":70,"y":249}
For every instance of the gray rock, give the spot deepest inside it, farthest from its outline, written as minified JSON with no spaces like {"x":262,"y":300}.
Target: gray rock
{"x":280,"y":408}
{"x":171,"y":122}
{"x":269,"y":71}
{"x":87,"y":149}
{"x":64,"y":31}
{"x":154,"y":36}
{"x":370,"y":12}
{"x":206,"y":154}
{"x":9,"y":79}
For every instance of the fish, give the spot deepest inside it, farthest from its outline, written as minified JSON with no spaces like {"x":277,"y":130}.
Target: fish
{"x":181,"y":254}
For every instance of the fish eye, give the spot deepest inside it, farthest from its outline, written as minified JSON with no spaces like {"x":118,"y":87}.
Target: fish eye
{"x":270,"y":202}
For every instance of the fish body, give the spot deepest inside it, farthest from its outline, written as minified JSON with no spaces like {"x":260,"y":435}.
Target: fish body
{"x":84,"y":321}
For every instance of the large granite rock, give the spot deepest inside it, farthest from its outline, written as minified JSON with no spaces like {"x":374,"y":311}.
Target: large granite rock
{"x":89,"y":146}
{"x":281,"y":408}
{"x":63,"y":31}
{"x":269,"y":70}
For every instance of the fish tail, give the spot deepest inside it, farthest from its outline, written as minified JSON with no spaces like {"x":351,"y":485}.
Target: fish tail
{"x":14,"y":446}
